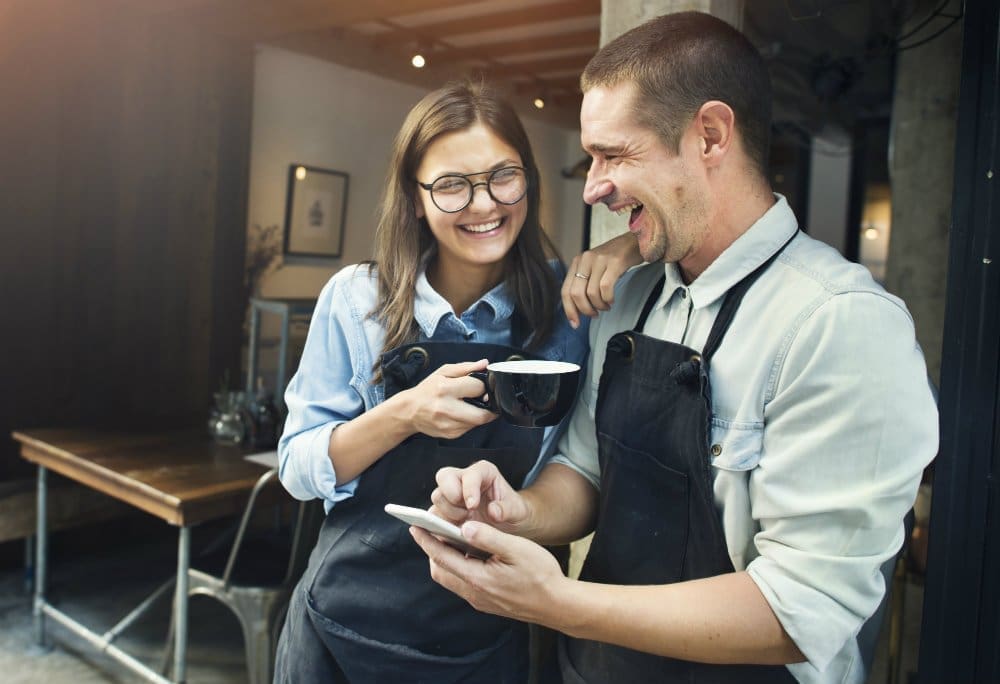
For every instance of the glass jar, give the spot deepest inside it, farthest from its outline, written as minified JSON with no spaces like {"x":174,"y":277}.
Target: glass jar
{"x":227,"y":423}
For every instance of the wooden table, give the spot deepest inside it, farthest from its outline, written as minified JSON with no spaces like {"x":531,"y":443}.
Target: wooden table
{"x":181,"y":477}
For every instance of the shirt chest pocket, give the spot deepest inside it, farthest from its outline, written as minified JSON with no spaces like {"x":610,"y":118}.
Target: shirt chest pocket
{"x":736,"y":445}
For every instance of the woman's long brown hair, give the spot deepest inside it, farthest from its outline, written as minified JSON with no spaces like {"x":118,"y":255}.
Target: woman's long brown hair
{"x":401,"y":238}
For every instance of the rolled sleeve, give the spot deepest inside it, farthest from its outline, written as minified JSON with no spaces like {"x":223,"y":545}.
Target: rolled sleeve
{"x":842,"y":459}
{"x":321,"y":395}
{"x":306,"y":470}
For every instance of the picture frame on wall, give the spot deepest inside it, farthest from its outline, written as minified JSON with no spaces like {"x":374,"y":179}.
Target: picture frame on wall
{"x":315,"y":211}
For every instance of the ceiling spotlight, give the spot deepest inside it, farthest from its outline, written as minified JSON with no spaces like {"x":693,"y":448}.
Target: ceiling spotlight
{"x":418,"y":61}
{"x":539,"y":103}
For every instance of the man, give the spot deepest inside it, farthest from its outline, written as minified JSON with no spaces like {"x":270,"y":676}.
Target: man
{"x":755,"y":416}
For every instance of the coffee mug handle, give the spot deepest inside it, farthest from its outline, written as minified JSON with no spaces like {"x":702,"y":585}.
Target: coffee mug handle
{"x":490,"y":403}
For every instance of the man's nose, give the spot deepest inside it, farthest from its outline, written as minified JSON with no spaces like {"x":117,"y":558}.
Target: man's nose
{"x":597,"y":186}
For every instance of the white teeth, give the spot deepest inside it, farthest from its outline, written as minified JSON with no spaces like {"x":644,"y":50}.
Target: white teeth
{"x":627,"y":209}
{"x":481,"y":227}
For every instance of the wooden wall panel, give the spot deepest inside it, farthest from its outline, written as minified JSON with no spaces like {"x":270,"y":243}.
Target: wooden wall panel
{"x":124,"y":149}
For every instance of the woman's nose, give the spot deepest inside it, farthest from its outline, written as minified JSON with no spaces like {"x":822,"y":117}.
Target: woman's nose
{"x":483,"y":197}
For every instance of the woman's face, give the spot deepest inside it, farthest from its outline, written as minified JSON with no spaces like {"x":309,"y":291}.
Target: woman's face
{"x":480,"y":235}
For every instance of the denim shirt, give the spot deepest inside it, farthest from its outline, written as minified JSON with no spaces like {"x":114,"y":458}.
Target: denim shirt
{"x":822,"y":423}
{"x":333,"y":383}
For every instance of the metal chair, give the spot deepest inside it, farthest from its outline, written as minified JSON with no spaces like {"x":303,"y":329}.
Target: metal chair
{"x":257,"y":593}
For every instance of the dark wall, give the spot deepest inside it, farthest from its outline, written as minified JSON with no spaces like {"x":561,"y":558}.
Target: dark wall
{"x":124,"y":151}
{"x":960,"y":634}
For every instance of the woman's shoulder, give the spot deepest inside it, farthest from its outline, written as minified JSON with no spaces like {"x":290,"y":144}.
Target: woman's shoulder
{"x":353,"y":287}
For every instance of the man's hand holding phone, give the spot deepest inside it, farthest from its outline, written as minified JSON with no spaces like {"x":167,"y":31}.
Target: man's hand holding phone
{"x":439,"y":527}
{"x":479,"y":492}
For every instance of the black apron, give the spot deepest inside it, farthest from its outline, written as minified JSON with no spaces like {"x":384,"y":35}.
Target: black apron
{"x":366,"y":609}
{"x":657,"y":521}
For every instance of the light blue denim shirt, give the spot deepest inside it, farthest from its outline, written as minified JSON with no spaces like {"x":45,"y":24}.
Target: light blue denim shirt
{"x":822,"y":423}
{"x":333,"y":383}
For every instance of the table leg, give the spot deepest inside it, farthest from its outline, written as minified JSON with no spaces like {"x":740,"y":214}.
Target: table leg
{"x":181,"y":604}
{"x":41,"y":553}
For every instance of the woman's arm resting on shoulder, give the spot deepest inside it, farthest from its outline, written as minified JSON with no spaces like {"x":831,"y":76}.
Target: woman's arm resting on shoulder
{"x":589,"y":285}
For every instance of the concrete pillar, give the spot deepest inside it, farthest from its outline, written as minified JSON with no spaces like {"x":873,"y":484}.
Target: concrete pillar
{"x":921,"y":165}
{"x":619,"y":16}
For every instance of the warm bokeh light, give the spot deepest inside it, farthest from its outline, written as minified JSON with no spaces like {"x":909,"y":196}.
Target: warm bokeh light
{"x":539,"y":103}
{"x":418,"y":61}
{"x":300,"y":173}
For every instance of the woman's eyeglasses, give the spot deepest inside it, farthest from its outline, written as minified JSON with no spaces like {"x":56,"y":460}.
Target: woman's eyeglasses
{"x":453,"y":193}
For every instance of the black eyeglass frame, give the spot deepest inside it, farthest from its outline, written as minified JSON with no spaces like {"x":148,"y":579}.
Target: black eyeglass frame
{"x":429,"y":187}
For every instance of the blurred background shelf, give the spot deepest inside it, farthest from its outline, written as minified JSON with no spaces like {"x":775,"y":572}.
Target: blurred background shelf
{"x":277,"y":334}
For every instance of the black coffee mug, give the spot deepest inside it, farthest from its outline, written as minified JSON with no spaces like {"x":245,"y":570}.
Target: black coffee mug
{"x":529,"y":393}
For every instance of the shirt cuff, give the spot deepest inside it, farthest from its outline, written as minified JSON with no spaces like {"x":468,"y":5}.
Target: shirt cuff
{"x":312,"y":451}
{"x":592,"y":478}
{"x":796,"y":606}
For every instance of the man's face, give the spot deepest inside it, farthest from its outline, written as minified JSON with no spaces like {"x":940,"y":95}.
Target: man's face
{"x":660,"y":192}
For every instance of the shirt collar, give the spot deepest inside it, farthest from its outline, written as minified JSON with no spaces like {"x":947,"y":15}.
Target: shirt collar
{"x":430,"y":308}
{"x":751,"y":249}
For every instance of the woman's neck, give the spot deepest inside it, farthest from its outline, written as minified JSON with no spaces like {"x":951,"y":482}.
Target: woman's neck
{"x":462,"y":285}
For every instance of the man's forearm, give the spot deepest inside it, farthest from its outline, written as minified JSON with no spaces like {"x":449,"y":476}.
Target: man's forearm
{"x":562,"y":506}
{"x":723,"y":619}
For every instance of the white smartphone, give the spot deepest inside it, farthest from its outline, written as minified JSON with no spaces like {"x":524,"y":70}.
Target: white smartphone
{"x":436,"y":526}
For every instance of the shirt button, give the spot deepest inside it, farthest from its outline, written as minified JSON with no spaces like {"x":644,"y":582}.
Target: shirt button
{"x":716,"y":450}
{"x":684,"y":294}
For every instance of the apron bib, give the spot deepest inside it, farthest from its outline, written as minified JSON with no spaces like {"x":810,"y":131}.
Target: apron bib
{"x":657,"y":519}
{"x":367,"y":590}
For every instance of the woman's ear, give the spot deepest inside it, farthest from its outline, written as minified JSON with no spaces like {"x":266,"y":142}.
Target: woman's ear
{"x":418,"y":206}
{"x":715,"y":125}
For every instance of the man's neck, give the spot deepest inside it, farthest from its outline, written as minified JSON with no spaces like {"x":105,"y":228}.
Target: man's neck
{"x":740,"y":204}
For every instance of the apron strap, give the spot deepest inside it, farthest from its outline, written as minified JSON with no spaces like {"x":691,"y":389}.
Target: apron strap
{"x":650,"y":301}
{"x":520,"y":330}
{"x":732,"y":303}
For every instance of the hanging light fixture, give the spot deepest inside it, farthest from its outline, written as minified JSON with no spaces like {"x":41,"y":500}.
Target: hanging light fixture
{"x":418,"y":60}
{"x":539,"y":102}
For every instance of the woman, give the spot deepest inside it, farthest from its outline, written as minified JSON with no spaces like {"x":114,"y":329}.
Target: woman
{"x":377,"y":405}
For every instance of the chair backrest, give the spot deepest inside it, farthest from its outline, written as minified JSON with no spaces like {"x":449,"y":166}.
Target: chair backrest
{"x":308,"y":518}
{"x":308,"y":522}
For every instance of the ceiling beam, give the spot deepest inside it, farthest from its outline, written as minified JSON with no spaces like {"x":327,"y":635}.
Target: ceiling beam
{"x":578,"y":39}
{"x":569,"y":84}
{"x":490,"y":22}
{"x":260,"y":20}
{"x":350,"y":49}
{"x":538,"y":66}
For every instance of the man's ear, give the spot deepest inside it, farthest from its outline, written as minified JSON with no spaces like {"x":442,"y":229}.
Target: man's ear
{"x":715,"y":126}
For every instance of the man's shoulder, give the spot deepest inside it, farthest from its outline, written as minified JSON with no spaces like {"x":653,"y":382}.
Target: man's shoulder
{"x":814,"y":265}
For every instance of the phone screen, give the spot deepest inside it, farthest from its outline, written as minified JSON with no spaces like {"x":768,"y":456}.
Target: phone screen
{"x":437,"y":526}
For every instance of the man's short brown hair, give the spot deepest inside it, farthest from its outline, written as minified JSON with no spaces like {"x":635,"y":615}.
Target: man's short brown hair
{"x":680,"y":61}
